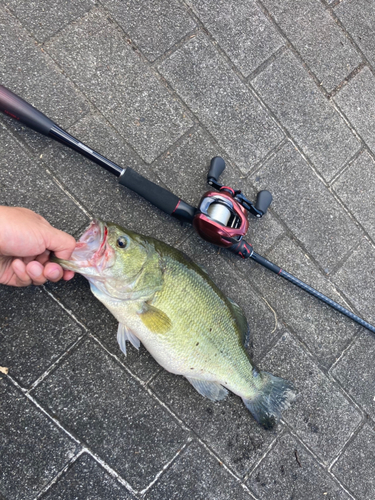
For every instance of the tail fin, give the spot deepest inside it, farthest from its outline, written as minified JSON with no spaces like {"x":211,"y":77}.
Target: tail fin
{"x":275,"y":395}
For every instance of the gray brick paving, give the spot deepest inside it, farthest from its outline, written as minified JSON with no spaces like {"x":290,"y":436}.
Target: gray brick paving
{"x":290,"y":471}
{"x":324,"y":331}
{"x":55,"y":15}
{"x":284,"y":92}
{"x":28,"y":72}
{"x":87,"y":479}
{"x":222,"y":102}
{"x":358,"y":17}
{"x":197,"y":475}
{"x":312,"y":121}
{"x":153,"y":26}
{"x":355,"y":279}
{"x":319,"y":40}
{"x":30,"y":342}
{"x":306,"y":206}
{"x":118,"y":82}
{"x":322,"y":417}
{"x":241,"y":29}
{"x":356,"y":373}
{"x":110,"y":412}
{"x":349,"y":187}
{"x":33,"y":449}
{"x":225,"y":426}
{"x":355,"y":100}
{"x":356,"y":466}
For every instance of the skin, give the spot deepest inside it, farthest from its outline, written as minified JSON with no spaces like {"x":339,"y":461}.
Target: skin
{"x":26,"y":241}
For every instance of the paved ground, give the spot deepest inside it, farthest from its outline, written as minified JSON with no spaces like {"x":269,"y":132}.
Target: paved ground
{"x":284,"y":91}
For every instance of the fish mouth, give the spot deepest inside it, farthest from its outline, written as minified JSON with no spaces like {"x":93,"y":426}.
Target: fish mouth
{"x":92,"y":250}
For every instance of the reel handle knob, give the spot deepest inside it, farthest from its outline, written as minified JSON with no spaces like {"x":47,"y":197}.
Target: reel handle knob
{"x":217,"y":167}
{"x":263,"y":201}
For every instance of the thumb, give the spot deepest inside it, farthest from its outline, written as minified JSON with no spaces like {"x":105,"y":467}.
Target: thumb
{"x":61,"y":243}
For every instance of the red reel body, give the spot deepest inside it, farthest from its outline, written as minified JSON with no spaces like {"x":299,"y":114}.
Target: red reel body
{"x":220,"y":219}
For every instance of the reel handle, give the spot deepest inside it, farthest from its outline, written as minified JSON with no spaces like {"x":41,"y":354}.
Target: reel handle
{"x":15,"y":107}
{"x":263,"y":201}
{"x":217,"y":167}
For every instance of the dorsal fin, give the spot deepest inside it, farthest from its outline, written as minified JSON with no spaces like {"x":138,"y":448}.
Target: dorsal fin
{"x":241,"y":322}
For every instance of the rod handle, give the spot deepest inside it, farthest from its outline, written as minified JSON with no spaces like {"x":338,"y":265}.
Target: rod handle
{"x":157,"y":195}
{"x":15,"y":107}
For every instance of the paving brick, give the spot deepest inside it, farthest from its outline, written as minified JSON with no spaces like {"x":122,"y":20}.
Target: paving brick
{"x":244,"y":441}
{"x":85,"y":479}
{"x":196,"y":474}
{"x":356,"y":466}
{"x":355,"y":187}
{"x":31,"y":342}
{"x":100,"y":61}
{"x":241,"y":29}
{"x":358,"y":17}
{"x":77,"y":297}
{"x":320,"y":416}
{"x":43,"y":18}
{"x":356,"y":372}
{"x":221,"y":101}
{"x":317,"y":37}
{"x":356,"y":280}
{"x":153,"y":26}
{"x":289,"y":471}
{"x":236,"y":283}
{"x":28,"y":72}
{"x":323,"y":330}
{"x":356,"y":101}
{"x":33,"y":449}
{"x":301,"y":200}
{"x":311,"y":120}
{"x":109,"y":411}
{"x":23,"y":179}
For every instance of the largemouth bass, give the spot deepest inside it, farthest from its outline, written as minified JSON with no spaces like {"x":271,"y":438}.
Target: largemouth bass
{"x":164,"y":300}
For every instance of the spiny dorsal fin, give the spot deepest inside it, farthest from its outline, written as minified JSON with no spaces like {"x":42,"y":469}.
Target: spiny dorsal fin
{"x":155,"y":319}
{"x":242,"y":323}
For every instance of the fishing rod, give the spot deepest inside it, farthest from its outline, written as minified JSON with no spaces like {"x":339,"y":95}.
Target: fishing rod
{"x":221,"y":217}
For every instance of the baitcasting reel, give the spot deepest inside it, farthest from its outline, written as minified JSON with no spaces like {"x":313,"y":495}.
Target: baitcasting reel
{"x":222,"y":218}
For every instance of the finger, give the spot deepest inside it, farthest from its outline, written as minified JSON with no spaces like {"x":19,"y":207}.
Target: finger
{"x":43,"y":257}
{"x":53,"y":272}
{"x":35,"y":270}
{"x":61,"y":243}
{"x":68,"y":275}
{"x":19,"y":269}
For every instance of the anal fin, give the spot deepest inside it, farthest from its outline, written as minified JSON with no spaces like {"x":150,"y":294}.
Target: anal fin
{"x":211,"y":390}
{"x":123,"y":335}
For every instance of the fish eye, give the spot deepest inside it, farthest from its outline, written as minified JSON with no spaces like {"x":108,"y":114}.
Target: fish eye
{"x":122,"y":242}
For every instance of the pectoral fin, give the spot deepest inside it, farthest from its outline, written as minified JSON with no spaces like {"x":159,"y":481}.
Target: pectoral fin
{"x":155,"y":319}
{"x":123,"y":335}
{"x":210,"y":390}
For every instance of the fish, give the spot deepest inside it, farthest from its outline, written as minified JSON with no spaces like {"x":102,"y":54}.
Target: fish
{"x":165,"y":301}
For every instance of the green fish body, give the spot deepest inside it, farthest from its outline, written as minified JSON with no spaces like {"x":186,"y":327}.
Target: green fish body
{"x":164,"y":300}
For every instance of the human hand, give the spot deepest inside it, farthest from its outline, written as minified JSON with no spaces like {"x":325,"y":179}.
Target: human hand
{"x":26,"y":240}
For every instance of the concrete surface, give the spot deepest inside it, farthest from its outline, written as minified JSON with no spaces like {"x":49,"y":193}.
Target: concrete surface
{"x":284,"y":92}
